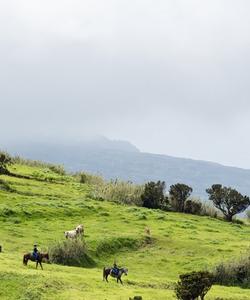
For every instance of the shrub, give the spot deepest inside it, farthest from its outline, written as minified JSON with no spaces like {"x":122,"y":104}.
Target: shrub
{"x":193,"y":207}
{"x":193,"y":285}
{"x":209,"y":210}
{"x":71,"y":252}
{"x":234,"y":273}
{"x":84,"y":177}
{"x":5,"y":161}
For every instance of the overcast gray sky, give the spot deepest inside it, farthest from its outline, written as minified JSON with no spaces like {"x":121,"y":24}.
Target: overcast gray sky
{"x":171,"y":76}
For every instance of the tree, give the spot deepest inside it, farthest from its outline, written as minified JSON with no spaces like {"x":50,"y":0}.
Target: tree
{"x":179,"y":193}
{"x":194,"y":285}
{"x":5,"y":160}
{"x":229,"y":201}
{"x":153,"y":195}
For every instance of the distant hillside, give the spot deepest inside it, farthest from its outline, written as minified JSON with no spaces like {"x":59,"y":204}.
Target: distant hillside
{"x":119,"y":159}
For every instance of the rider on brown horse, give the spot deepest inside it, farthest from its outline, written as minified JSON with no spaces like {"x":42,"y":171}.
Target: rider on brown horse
{"x":35,"y":252}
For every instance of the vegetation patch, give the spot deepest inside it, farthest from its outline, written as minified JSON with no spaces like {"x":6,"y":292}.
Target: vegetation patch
{"x":71,"y":253}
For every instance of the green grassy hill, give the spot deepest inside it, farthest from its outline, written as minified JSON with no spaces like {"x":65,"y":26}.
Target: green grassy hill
{"x":39,"y":211}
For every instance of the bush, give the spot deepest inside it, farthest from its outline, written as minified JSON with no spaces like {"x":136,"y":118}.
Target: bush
{"x":234,"y":273}
{"x":193,"y":285}
{"x":71,"y":253}
{"x":209,"y":210}
{"x":5,"y":161}
{"x":193,"y":207}
{"x":84,"y":177}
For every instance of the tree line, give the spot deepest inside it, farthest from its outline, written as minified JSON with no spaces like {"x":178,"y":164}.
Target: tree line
{"x":226,"y":199}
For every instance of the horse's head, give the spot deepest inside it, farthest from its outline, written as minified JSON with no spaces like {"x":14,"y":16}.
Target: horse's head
{"x":125,"y":271}
{"x":46,"y":255}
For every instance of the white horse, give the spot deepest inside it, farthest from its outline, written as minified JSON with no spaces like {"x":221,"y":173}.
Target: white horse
{"x":71,"y":234}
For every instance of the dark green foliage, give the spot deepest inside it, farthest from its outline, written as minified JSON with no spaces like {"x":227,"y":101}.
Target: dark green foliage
{"x":83,"y":178}
{"x":5,"y":161}
{"x":71,"y":253}
{"x":193,"y":285}
{"x":179,"y":193}
{"x":153,"y":195}
{"x":235,"y":273}
{"x":229,"y":201}
{"x":193,"y":207}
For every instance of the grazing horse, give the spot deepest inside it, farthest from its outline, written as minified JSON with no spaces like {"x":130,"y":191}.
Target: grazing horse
{"x":108,"y":271}
{"x":30,"y":256}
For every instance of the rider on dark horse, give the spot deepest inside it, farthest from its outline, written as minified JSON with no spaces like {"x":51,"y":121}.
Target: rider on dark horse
{"x":35,"y":252}
{"x":115,"y":269}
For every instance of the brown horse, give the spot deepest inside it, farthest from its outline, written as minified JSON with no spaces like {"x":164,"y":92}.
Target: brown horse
{"x":30,"y":256}
{"x":108,"y":271}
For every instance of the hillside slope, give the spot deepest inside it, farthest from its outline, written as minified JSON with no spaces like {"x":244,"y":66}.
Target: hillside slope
{"x":40,"y":209}
{"x":117,"y":159}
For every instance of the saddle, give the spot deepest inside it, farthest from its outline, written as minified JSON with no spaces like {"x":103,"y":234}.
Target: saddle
{"x":35,"y":257}
{"x":115,"y":271}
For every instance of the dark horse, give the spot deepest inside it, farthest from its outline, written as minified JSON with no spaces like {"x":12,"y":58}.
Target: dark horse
{"x":30,"y":256}
{"x":108,"y":271}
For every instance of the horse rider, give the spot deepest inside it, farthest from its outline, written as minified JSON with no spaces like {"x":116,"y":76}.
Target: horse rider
{"x":35,"y":252}
{"x":115,"y":269}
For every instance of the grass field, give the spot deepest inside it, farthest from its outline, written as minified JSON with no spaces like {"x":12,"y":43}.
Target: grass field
{"x":39,"y":211}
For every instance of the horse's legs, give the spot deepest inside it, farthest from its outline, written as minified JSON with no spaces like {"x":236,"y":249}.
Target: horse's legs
{"x":106,"y":276}
{"x":36,"y":264}
{"x":120,"y":280}
{"x":41,"y":265}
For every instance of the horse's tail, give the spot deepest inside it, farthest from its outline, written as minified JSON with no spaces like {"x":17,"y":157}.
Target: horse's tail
{"x":103,"y":274}
{"x":24,"y":260}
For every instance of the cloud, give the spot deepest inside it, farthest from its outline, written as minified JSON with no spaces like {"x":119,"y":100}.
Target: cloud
{"x":171,"y":76}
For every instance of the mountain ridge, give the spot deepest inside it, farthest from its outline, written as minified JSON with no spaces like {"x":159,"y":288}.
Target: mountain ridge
{"x":122,"y":160}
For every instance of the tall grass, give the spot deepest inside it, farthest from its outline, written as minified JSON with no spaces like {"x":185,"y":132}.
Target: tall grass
{"x":234,"y":273}
{"x":58,"y":169}
{"x":123,"y":192}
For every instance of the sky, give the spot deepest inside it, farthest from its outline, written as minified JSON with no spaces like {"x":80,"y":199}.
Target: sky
{"x":170,"y":76}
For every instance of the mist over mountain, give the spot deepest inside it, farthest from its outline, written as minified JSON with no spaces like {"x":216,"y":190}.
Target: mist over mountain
{"x":122,"y":160}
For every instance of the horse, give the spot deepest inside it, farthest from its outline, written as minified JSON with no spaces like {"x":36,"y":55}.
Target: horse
{"x":72,"y":234}
{"x":108,"y":271}
{"x":80,"y":229}
{"x":30,"y":256}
